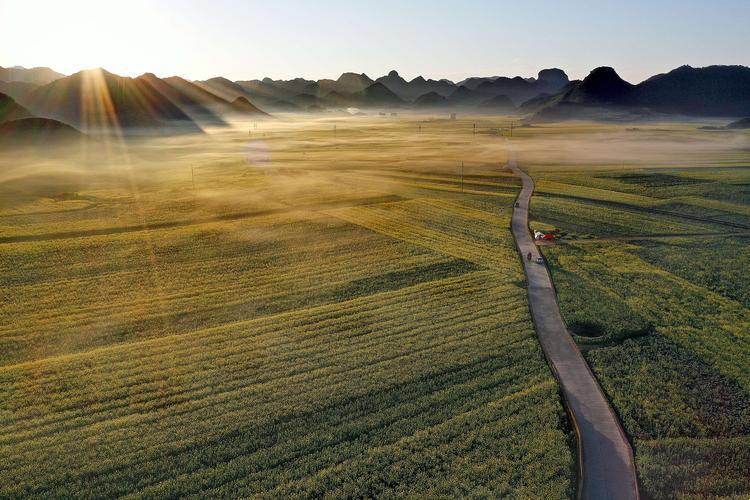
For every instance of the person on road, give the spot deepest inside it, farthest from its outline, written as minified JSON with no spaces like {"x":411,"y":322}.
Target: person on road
{"x":528,"y":256}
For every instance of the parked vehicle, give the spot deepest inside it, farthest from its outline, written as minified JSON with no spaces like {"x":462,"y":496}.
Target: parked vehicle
{"x":538,"y":235}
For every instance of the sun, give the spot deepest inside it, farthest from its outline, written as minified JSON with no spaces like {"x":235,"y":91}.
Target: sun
{"x":125,"y":38}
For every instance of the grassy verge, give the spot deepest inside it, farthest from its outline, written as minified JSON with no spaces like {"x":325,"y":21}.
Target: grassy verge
{"x":671,"y":322}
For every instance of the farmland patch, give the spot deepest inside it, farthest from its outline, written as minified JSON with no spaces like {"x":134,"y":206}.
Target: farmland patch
{"x":657,"y":179}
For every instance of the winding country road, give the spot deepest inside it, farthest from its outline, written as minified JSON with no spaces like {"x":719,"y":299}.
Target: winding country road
{"x":607,"y":470}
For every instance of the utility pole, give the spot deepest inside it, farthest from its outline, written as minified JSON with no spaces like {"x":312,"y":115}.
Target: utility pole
{"x":475,"y":129}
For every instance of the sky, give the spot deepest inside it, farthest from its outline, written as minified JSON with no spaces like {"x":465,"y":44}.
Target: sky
{"x":322,"y":38}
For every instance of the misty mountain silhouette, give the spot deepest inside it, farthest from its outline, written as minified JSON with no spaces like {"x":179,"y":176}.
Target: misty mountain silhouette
{"x":194,"y":101}
{"x":38,"y":76}
{"x":518,"y":89}
{"x":351,"y":89}
{"x":377,"y":94}
{"x":474,"y":81}
{"x":203,"y":103}
{"x":395,"y":83}
{"x":499,"y":104}
{"x":223,"y":88}
{"x":302,"y":94}
{"x":553,"y":77}
{"x":229,"y":91}
{"x":296,"y":85}
{"x":35,"y":131}
{"x":431,"y":100}
{"x":244,"y":106}
{"x":335,"y":99}
{"x":464,"y":96}
{"x":94,"y":99}
{"x":347,"y":83}
{"x":19,"y":91}
{"x":99,"y":100}
{"x":410,"y":91}
{"x":280,"y":95}
{"x":11,"y":110}
{"x":419,"y":86}
{"x":710,"y":91}
{"x":603,"y":86}
{"x":716,"y":90}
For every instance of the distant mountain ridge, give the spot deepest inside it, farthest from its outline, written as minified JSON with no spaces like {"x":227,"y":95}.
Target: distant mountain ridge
{"x":17,"y":90}
{"x":38,"y":76}
{"x":99,"y":100}
{"x":37,"y":131}
{"x":94,"y":99}
{"x":194,"y":101}
{"x":11,"y":110}
{"x":709,"y":91}
{"x":419,"y":86}
{"x":499,"y":103}
{"x":358,"y":89}
{"x":20,"y":128}
{"x":518,"y":89}
{"x":202,"y":105}
{"x":603,"y":86}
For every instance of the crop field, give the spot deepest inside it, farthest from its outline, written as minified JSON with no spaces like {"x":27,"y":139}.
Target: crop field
{"x":334,"y":306}
{"x":276,"y":310}
{"x":652,"y":280}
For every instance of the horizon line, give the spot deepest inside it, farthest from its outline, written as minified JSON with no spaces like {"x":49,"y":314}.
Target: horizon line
{"x":455,"y":82}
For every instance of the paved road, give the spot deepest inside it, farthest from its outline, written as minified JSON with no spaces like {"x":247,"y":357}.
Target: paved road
{"x":607,"y":468}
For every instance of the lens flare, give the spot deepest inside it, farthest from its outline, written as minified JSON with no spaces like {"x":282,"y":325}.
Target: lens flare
{"x":257,"y":153}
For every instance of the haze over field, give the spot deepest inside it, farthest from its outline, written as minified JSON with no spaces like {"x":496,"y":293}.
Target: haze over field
{"x":272,"y":228}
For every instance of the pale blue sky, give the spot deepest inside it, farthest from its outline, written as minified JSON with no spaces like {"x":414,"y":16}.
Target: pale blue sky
{"x":314,"y":39}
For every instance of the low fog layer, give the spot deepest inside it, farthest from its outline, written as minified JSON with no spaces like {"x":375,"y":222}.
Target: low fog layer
{"x":299,"y":160}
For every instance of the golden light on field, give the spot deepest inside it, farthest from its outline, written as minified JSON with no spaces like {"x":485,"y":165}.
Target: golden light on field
{"x":341,"y":274}
{"x":272,"y":249}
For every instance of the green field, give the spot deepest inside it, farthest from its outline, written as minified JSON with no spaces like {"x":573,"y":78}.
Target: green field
{"x":348,"y":318}
{"x":652,"y":279}
{"x":289,"y":310}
